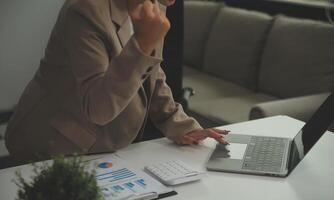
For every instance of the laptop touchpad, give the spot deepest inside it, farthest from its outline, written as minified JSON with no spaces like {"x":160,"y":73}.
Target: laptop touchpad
{"x":237,"y":150}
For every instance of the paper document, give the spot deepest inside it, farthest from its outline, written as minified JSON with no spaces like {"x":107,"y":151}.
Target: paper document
{"x":118,"y":180}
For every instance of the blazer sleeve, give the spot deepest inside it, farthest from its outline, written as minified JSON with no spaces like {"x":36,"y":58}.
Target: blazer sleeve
{"x":168,"y":115}
{"x":105,"y":84}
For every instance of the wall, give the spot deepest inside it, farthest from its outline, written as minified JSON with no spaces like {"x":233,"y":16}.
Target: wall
{"x":25,"y":27}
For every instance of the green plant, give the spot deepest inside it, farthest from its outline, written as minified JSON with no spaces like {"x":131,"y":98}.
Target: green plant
{"x":65,"y":179}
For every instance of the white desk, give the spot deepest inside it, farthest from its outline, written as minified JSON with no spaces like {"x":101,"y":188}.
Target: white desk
{"x":312,"y":179}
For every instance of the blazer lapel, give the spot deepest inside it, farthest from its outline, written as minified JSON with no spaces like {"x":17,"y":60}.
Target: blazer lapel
{"x":124,"y":32}
{"x":119,"y":11}
{"x":120,"y":16}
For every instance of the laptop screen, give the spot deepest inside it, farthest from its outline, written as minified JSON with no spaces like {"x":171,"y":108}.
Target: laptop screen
{"x":311,"y":132}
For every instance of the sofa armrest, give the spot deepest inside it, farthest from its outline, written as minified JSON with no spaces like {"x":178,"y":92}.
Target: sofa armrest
{"x":300,"y":108}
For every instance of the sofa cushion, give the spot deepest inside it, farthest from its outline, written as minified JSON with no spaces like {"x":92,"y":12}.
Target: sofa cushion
{"x":235,"y":45}
{"x":207,"y":87}
{"x":298,"y":58}
{"x":229,"y":109}
{"x":301,"y":108}
{"x":198,"y":18}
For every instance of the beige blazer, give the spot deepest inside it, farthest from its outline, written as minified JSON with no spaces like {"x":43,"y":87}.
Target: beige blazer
{"x":87,"y":95}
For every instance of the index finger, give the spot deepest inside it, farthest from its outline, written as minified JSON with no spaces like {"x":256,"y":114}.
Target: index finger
{"x":215,"y":135}
{"x":223,"y":132}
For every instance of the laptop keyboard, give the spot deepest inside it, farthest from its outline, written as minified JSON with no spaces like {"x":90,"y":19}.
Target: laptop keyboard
{"x":264,"y":154}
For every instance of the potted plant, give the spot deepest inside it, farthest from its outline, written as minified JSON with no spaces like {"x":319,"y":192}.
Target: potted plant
{"x":64,"y":179}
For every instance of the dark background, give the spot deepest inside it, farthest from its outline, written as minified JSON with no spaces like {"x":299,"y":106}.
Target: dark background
{"x":173,"y":49}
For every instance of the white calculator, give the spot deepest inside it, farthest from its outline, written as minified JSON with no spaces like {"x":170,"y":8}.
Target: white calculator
{"x":173,"y":172}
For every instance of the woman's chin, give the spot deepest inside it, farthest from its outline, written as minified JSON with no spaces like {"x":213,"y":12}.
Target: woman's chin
{"x":167,"y":2}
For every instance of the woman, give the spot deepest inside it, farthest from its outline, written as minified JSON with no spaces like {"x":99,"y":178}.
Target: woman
{"x":99,"y":81}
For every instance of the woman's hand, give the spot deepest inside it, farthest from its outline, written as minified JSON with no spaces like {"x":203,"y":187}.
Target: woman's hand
{"x":150,"y":24}
{"x":194,"y":137}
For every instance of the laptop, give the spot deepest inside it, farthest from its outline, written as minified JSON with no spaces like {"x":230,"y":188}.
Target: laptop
{"x":271,"y":156}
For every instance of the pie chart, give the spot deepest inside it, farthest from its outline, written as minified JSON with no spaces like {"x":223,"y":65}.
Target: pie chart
{"x":105,"y":165}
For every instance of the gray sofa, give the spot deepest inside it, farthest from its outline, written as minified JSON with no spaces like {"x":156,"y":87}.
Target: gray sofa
{"x":245,"y":65}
